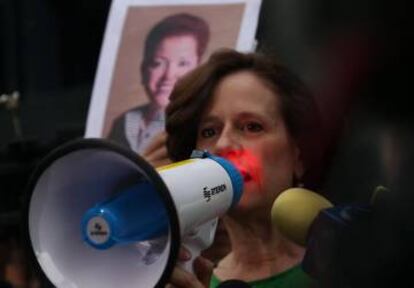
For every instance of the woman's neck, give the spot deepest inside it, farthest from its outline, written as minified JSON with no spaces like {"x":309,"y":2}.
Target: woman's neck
{"x":153,"y":112}
{"x":258,"y":251}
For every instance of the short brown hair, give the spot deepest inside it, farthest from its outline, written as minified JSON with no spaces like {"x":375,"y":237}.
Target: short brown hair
{"x":193,"y":92}
{"x":175,"y":25}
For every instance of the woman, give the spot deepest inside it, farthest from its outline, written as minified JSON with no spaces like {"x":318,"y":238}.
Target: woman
{"x":173,"y":47}
{"x":249,"y":109}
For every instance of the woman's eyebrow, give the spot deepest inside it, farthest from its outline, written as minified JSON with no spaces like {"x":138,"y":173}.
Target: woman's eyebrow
{"x":209,"y":119}
{"x":248,"y":114}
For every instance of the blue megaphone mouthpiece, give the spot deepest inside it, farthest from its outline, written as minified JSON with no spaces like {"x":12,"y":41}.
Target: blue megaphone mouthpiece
{"x":135,"y":214}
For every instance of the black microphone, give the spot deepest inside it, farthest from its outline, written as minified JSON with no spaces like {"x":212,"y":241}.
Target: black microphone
{"x":234,"y":283}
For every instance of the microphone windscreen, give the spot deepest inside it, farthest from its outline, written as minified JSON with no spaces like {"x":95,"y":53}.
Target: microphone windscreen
{"x":294,"y":210}
{"x":233,"y":284}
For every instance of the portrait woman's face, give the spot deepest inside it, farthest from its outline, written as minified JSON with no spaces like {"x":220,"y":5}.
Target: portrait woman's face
{"x":243,"y":123}
{"x":174,"y":57}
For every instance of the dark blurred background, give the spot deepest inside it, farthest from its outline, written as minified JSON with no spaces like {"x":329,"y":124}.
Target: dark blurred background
{"x":355,"y":56}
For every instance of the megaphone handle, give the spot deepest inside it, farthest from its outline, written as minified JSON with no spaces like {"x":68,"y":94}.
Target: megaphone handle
{"x":198,"y":240}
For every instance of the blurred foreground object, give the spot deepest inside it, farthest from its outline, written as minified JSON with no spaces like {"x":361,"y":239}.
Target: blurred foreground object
{"x":350,"y":245}
{"x":11,"y":102}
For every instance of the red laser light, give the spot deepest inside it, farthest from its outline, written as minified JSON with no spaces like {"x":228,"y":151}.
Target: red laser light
{"x":246,"y":162}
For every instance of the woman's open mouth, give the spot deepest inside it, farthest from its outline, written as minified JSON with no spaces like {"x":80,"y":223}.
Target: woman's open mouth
{"x":246,"y":175}
{"x":244,"y":162}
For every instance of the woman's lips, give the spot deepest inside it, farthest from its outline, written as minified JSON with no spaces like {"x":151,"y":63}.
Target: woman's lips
{"x":246,"y":175}
{"x":244,"y":162}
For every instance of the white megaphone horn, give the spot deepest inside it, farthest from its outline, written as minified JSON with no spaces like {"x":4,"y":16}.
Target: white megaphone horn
{"x":100,"y":216}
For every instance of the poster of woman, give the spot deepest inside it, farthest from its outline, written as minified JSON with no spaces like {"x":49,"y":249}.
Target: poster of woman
{"x":147,"y":47}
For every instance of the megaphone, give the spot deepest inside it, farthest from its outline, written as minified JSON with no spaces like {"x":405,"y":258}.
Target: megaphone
{"x":100,"y":216}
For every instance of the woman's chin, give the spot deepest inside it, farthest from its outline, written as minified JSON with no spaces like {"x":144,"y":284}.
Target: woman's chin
{"x":251,"y":189}
{"x":248,"y":203}
{"x":162,"y":99}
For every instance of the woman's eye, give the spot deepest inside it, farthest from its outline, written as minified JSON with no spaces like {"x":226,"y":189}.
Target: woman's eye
{"x":207,"y":132}
{"x":252,"y":127}
{"x":156,"y":64}
{"x":183,"y":63}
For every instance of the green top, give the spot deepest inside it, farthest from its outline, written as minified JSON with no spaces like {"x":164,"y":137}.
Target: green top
{"x":294,"y":277}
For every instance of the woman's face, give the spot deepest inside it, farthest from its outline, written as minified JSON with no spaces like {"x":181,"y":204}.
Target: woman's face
{"x":243,"y":123}
{"x":174,"y":57}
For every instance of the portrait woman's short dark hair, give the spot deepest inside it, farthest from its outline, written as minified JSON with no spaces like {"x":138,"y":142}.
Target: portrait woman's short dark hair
{"x":175,"y":25}
{"x":193,"y":92}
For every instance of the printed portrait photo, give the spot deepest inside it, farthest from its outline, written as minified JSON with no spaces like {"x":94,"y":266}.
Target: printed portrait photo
{"x":156,"y":46}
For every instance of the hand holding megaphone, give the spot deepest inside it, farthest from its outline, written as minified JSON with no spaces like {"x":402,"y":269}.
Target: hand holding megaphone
{"x":101,"y":216}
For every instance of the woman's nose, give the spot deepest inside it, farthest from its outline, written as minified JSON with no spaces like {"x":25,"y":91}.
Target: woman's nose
{"x":227,"y":141}
{"x":171,"y":72}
